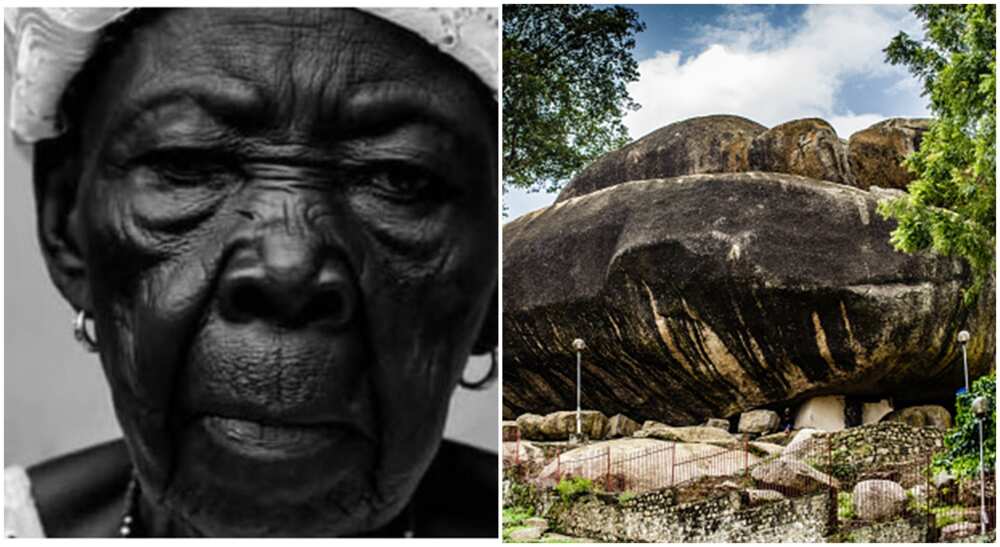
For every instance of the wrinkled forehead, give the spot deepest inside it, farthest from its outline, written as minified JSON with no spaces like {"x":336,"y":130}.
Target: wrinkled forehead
{"x":277,"y":65}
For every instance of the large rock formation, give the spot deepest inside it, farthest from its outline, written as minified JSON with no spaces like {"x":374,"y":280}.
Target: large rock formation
{"x":709,"y":144}
{"x":706,"y":295}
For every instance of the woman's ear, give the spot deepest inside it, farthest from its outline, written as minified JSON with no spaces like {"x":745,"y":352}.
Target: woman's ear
{"x":56,"y":174}
{"x":487,"y":339}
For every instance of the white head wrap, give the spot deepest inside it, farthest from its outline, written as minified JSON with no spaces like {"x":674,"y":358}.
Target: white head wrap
{"x":46,"y":47}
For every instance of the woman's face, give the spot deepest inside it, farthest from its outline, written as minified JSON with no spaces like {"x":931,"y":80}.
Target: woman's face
{"x":288,"y":226}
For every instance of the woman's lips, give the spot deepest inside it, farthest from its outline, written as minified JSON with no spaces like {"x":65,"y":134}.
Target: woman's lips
{"x":268,"y":439}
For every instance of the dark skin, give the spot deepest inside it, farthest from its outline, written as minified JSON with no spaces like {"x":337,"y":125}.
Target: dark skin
{"x":284,"y":225}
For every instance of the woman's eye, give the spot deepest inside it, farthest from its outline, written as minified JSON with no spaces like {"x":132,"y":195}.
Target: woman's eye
{"x":403,"y":183}
{"x":188,"y":167}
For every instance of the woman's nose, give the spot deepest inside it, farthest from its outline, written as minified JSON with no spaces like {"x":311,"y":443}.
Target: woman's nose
{"x":287,"y":281}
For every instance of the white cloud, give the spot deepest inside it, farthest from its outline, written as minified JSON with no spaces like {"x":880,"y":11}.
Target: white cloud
{"x":770,"y":75}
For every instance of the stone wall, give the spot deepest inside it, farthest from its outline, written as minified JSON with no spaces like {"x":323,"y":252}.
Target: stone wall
{"x":912,"y":530}
{"x":653,"y":517}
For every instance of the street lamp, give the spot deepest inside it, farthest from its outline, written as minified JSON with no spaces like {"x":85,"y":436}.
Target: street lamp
{"x":579,"y":346}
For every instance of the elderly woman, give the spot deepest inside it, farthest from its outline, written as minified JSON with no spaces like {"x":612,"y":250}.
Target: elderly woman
{"x":278,"y":229}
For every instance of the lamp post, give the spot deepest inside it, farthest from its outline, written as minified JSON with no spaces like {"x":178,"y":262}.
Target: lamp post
{"x":579,"y":346}
{"x":980,"y":407}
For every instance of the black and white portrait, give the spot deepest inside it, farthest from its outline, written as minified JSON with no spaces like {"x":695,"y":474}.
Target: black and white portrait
{"x":272,"y":234}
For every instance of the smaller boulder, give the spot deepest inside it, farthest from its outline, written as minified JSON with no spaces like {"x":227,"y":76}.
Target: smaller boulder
{"x":526,"y":534}
{"x":958,"y":530}
{"x":759,"y":421}
{"x":800,"y":442}
{"x":509,"y":430}
{"x":766,"y":449}
{"x":875,"y":154}
{"x":808,"y":147}
{"x":782,"y":437}
{"x":688,"y":434}
{"x":530,"y":426}
{"x":791,"y":477}
{"x":825,"y":412}
{"x":878,"y":499}
{"x":620,"y":425}
{"x":718,"y":423}
{"x":934,"y":416}
{"x":561,"y":425}
{"x":757,"y":496}
{"x":536,"y":522}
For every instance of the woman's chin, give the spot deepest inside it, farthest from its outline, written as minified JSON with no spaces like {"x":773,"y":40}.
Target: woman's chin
{"x":236,"y":477}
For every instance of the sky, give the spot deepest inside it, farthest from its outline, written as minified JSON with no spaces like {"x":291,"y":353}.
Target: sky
{"x":771,"y":64}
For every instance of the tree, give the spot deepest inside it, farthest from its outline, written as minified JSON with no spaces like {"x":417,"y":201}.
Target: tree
{"x":565,"y":71}
{"x":950,"y":207}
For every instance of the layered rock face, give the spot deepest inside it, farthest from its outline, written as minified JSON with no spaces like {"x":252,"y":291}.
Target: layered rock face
{"x":706,"y":295}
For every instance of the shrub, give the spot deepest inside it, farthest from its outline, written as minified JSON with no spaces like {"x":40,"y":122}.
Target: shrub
{"x":570,"y":488}
{"x":961,"y":443}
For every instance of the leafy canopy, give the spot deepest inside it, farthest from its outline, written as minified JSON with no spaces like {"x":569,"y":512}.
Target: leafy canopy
{"x":565,"y":69}
{"x":951,"y":207}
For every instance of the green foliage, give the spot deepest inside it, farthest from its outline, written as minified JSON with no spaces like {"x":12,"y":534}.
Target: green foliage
{"x":626,"y":496}
{"x":949,"y":514}
{"x":961,"y":443}
{"x":513,"y":517}
{"x":573,"y":487}
{"x":565,"y":69}
{"x":845,"y":506}
{"x":951,"y":207}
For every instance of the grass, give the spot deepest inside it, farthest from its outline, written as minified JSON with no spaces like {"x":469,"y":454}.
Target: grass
{"x":845,"y":506}
{"x":571,"y":488}
{"x":513,"y":517}
{"x":948,"y":514}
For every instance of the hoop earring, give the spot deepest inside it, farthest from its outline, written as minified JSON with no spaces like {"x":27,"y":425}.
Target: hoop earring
{"x":489,"y":375}
{"x":80,"y":331}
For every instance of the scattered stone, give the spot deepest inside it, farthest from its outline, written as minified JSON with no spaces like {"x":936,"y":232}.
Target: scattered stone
{"x":825,"y":413}
{"x":766,"y":449}
{"x":958,"y":530}
{"x":875,"y":154}
{"x":759,"y":421}
{"x":519,"y":535}
{"x":878,"y":499}
{"x":872,"y":413}
{"x":620,"y":425}
{"x":524,"y":453}
{"x":757,"y":496}
{"x":561,"y":425}
{"x":509,"y":430}
{"x":687,"y":434}
{"x":718,"y":423}
{"x":530,"y":426}
{"x":709,"y":144}
{"x":781,"y":437}
{"x":791,"y":477}
{"x":536,"y":522}
{"x":935,"y":416}
{"x":808,"y":147}
{"x":800,"y":442}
